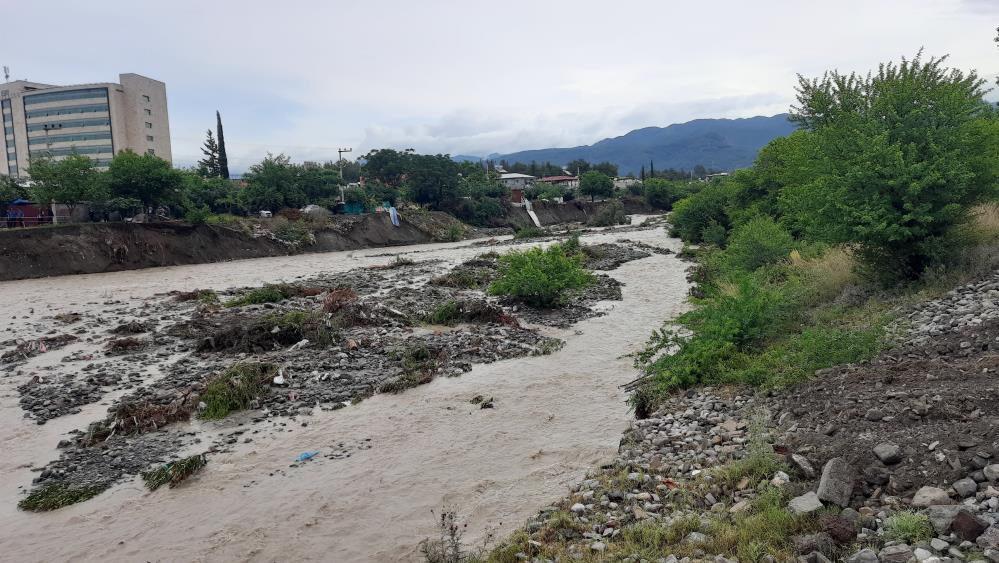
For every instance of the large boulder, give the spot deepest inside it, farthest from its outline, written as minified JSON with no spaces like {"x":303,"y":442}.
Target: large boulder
{"x":863,"y":556}
{"x":942,"y":516}
{"x":930,"y":496}
{"x":888,"y":453}
{"x":836,"y":484}
{"x":967,"y":526}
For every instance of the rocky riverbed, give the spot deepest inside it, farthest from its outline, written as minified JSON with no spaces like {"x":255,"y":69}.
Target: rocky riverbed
{"x":332,"y":339}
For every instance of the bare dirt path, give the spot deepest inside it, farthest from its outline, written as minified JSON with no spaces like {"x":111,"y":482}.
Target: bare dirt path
{"x":556,"y":416}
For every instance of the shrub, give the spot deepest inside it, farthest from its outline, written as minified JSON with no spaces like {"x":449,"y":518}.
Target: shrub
{"x":198,"y":215}
{"x":355,"y":195}
{"x":447,"y":313}
{"x":529,"y":232}
{"x":759,"y":242}
{"x":235,"y":389}
{"x":693,"y":214}
{"x":453,"y":233}
{"x":662,"y":194}
{"x":611,"y":214}
{"x":338,"y":299}
{"x":267,"y":294}
{"x":540,"y":277}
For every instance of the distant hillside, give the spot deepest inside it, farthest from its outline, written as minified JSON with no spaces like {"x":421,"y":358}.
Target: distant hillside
{"x":721,"y":144}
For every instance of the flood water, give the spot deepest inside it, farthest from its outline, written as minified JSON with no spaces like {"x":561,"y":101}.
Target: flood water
{"x":556,"y":416}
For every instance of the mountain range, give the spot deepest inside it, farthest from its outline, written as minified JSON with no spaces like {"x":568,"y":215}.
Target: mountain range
{"x":719,"y":144}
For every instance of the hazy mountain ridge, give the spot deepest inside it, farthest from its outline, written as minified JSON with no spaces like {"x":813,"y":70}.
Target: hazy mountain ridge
{"x":722,"y":144}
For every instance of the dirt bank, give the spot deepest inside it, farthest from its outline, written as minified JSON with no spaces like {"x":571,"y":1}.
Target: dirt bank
{"x":569,"y":212}
{"x":111,"y":247}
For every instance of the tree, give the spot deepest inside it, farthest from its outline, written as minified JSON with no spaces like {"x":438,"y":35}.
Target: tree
{"x":896,"y":160}
{"x":596,"y":184}
{"x":222,"y":158}
{"x":641,"y":175}
{"x":388,"y":166}
{"x":208,"y":167}
{"x":11,"y":190}
{"x":606,"y":168}
{"x":147,"y":178}
{"x":272,"y":185}
{"x":578,"y":166}
{"x":433,"y":179}
{"x":70,"y":181}
{"x":652,"y":169}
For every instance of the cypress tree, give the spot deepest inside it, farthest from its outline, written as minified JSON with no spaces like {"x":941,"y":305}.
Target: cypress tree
{"x":223,"y":160}
{"x":641,"y":175}
{"x":652,"y":169}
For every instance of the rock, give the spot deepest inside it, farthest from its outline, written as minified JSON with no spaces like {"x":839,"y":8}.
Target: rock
{"x":967,"y":526}
{"x":939,"y":545}
{"x":991,"y":472}
{"x":874,"y":415}
{"x":922,"y":554}
{"x":990,"y":538}
{"x":992,"y":555}
{"x":836,"y":484}
{"x":900,"y":553}
{"x":805,"y":504}
{"x":808,"y":543}
{"x":815,"y":557}
{"x":965,"y":487}
{"x":840,"y":529}
{"x":598,"y":546}
{"x":803,"y":465}
{"x":578,"y":508}
{"x":780,"y":479}
{"x":695,"y":538}
{"x":931,"y":496}
{"x":863,"y":556}
{"x":888,"y":453}
{"x":942,"y":516}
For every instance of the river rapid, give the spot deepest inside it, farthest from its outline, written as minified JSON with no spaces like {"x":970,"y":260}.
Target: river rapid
{"x":556,"y":416}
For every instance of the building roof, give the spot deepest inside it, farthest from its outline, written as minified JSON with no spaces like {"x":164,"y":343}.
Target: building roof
{"x":558,"y":178}
{"x":515,"y":176}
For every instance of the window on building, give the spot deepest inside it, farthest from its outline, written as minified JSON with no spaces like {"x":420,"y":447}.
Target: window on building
{"x":151,"y":151}
{"x":148,"y":111}
{"x":145,"y":98}
{"x":149,"y":125}
{"x":149,"y":138}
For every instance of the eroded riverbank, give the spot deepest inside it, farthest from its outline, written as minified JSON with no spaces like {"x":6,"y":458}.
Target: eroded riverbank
{"x":555,"y":417}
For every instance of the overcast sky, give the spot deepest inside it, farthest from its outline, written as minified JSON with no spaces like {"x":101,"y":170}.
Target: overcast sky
{"x":468,"y":77}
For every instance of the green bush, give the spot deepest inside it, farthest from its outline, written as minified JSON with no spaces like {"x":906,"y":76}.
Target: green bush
{"x":611,"y":214}
{"x":756,"y":243}
{"x":662,"y":194}
{"x":198,"y":216}
{"x":267,"y":294}
{"x":235,"y":389}
{"x":540,"y":277}
{"x":695,"y":213}
{"x":909,"y":527}
{"x":529,"y":232}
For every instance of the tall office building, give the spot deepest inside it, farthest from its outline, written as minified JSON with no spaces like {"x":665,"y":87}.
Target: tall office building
{"x":94,"y":120}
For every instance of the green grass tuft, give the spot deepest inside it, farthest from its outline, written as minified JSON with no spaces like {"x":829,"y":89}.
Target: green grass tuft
{"x":235,"y":389}
{"x":58,"y":495}
{"x":909,"y":527}
{"x":175,"y":472}
{"x":267,"y":294}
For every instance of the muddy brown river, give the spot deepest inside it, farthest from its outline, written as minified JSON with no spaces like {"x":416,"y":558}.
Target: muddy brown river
{"x":556,"y":416}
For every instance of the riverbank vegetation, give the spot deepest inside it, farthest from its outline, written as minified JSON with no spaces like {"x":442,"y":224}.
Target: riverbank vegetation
{"x":884,"y":193}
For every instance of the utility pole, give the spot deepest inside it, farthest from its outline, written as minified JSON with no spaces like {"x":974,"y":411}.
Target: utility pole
{"x":339,"y":161}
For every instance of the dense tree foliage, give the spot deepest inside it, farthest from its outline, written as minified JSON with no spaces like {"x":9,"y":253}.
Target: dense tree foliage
{"x":146,"y":178}
{"x":595,"y":184}
{"x":70,"y":181}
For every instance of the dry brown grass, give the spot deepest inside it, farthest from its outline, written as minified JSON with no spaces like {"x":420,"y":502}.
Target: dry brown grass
{"x":338,"y":299}
{"x":829,"y":273}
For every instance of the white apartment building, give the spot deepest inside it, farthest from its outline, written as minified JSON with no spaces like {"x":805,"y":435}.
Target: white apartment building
{"x":94,"y":120}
